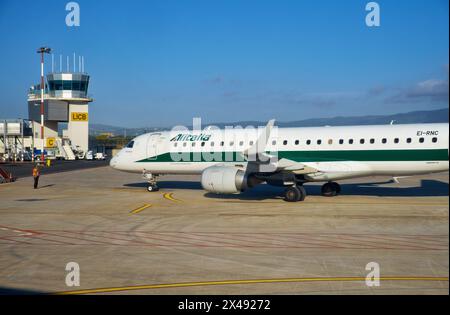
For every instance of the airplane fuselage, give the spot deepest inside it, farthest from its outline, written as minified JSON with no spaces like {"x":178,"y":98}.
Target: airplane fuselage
{"x":332,"y":152}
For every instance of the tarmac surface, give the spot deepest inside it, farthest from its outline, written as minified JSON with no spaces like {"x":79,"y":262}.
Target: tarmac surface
{"x":182,"y":240}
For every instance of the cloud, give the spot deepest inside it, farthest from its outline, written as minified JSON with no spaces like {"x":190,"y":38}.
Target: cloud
{"x":434,"y":90}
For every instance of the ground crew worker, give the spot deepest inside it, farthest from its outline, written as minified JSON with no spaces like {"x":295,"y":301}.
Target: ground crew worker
{"x":36,"y":174}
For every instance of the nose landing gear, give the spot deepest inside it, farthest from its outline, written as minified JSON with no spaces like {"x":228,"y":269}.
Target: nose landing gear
{"x":152,"y":188}
{"x":152,"y":181}
{"x":331,"y":189}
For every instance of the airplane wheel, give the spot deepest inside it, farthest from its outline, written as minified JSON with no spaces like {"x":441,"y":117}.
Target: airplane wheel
{"x":152,"y":188}
{"x":302,"y":193}
{"x":329,"y":190}
{"x":337,"y":187}
{"x":294,"y":194}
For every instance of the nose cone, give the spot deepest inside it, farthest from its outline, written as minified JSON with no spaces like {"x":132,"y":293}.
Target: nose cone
{"x":113,"y":162}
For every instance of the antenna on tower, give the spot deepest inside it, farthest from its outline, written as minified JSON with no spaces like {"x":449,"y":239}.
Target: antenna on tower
{"x":67,"y":63}
{"x":74,"y":63}
{"x":60,"y":63}
{"x":79,"y":63}
{"x":82,"y":64}
{"x":53,"y":63}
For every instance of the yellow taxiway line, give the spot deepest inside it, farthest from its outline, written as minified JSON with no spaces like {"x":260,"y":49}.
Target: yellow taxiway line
{"x":169,"y":196}
{"x":137,"y":210}
{"x":234,"y":282}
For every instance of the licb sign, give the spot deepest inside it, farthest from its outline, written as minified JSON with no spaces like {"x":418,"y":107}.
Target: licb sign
{"x":79,"y":117}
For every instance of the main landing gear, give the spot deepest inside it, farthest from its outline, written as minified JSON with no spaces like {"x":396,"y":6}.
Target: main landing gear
{"x":152,"y":181}
{"x":331,"y":189}
{"x":295,"y":193}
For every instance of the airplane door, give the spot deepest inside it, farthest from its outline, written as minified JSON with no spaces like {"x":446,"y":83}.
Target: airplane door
{"x":152,"y":146}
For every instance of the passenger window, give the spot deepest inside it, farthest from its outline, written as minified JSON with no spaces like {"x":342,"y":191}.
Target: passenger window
{"x":193,"y":144}
{"x":285,"y":142}
{"x":231,"y":143}
{"x":175,"y":144}
{"x":384,"y":140}
{"x":341,"y":141}
{"x":274,"y":142}
{"x":350,"y":141}
{"x":435,"y":140}
{"x":222,"y":143}
{"x":212,"y":143}
{"x":372,"y":141}
{"x":203,"y":144}
{"x":184,"y":144}
{"x":362,"y":141}
{"x":130,"y":145}
{"x":421,"y":140}
{"x":409,"y":140}
{"x":330,"y":141}
{"x":251,"y":143}
{"x":396,"y":140}
{"x":241,"y":143}
{"x":297,"y":142}
{"x":308,"y":142}
{"x":319,"y":142}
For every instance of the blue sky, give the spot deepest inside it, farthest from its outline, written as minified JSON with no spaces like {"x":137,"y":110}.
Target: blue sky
{"x":159,"y":63}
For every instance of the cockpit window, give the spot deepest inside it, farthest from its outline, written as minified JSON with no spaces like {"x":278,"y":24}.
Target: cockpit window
{"x":130,"y":145}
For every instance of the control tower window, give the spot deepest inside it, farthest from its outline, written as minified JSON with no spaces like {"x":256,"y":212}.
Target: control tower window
{"x":67,"y":85}
{"x":130,"y":145}
{"x":76,"y":85}
{"x":58,"y":85}
{"x":83,"y":86}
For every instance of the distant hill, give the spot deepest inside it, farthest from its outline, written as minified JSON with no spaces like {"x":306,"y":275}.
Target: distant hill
{"x":431,"y":116}
{"x":96,"y":129}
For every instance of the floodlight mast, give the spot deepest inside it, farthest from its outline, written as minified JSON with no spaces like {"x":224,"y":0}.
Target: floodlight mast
{"x":42,"y":51}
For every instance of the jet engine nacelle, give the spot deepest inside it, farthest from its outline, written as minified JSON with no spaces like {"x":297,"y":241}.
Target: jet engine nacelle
{"x":225,"y":180}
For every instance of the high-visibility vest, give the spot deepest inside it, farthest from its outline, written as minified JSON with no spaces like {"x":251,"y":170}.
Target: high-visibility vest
{"x":35,"y":172}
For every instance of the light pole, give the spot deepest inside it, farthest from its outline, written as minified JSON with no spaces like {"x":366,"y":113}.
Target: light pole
{"x":42,"y":51}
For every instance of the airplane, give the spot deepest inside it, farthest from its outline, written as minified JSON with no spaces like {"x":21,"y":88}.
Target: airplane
{"x":231,"y":161}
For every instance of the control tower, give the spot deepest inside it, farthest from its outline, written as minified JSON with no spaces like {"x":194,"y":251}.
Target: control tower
{"x":66,"y":100}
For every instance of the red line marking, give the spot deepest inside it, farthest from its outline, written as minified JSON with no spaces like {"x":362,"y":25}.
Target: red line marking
{"x":402,"y":243}
{"x":185,"y":234}
{"x":22,"y":242}
{"x":366,"y":245}
{"x":268,"y":233}
{"x":178,"y":241}
{"x":320,"y":243}
{"x":110,"y":237}
{"x":21,"y":230}
{"x":77,"y":238}
{"x":46,"y":239}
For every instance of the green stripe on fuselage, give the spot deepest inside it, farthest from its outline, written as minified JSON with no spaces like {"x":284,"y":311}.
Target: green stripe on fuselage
{"x":315,"y":156}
